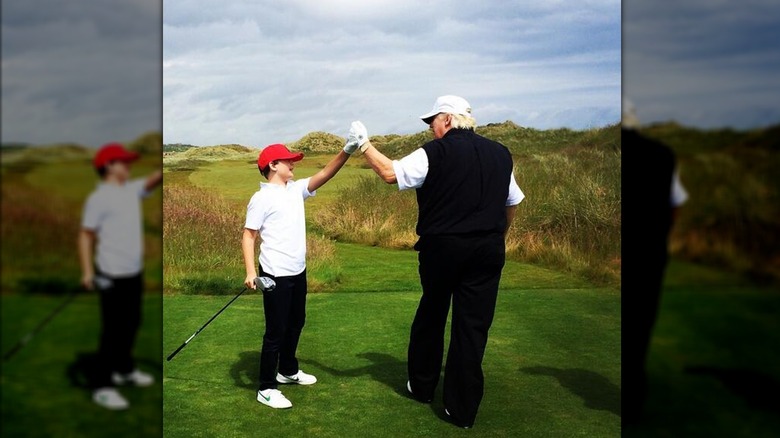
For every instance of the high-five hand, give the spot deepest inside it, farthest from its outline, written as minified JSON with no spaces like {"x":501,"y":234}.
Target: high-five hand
{"x":358,"y":134}
{"x":351,"y":146}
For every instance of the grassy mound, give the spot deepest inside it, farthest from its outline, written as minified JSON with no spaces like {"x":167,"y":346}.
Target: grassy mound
{"x":318,"y":143}
{"x":221,"y":152}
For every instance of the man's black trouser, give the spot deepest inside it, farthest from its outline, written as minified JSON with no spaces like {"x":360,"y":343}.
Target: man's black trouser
{"x":120,"y":315}
{"x":285,"y":315}
{"x":467,"y":270}
{"x":642,"y":289}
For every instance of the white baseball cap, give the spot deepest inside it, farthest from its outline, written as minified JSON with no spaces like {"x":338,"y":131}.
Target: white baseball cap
{"x":447,"y":104}
{"x":629,"y":119}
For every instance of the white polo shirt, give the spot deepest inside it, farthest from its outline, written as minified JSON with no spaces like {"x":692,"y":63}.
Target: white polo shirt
{"x":277,"y":213}
{"x":411,"y":170}
{"x":113,"y":213}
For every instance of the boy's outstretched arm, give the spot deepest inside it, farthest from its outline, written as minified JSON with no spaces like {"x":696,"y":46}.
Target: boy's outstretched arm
{"x":320,"y":178}
{"x":153,"y":180}
{"x":248,"y":248}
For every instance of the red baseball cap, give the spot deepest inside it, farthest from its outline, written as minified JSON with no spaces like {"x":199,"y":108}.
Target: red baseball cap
{"x":276,"y":152}
{"x":113,"y":152}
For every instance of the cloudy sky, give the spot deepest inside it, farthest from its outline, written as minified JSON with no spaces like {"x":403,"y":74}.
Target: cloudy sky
{"x":84,"y":71}
{"x":256,"y":72}
{"x":705,"y":63}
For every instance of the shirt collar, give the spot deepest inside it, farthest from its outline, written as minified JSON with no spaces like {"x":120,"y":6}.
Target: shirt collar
{"x":458,"y":131}
{"x":108,"y":185}
{"x":265,"y":185}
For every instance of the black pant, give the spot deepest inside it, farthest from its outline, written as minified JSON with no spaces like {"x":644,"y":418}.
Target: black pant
{"x":640,"y":311}
{"x":285,"y":315}
{"x":120,"y":315}
{"x":466,"y":270}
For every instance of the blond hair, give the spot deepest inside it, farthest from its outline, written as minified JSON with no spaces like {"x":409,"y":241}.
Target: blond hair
{"x":462,"y":121}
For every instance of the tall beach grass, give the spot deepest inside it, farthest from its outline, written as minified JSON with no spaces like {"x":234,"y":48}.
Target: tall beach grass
{"x":732,"y":217}
{"x":570,"y":219}
{"x":202,"y":245}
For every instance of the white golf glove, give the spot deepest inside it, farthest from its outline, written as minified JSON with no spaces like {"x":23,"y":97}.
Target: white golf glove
{"x":359,"y":131}
{"x":351,"y":146}
{"x":358,"y":136}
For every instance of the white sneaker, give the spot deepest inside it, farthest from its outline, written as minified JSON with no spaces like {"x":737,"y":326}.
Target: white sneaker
{"x":136,"y":377}
{"x":300,"y":378}
{"x":273,"y":398}
{"x":110,"y":398}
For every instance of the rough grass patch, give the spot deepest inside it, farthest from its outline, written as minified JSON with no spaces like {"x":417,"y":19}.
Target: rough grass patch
{"x":202,"y":245}
{"x":570,"y":219}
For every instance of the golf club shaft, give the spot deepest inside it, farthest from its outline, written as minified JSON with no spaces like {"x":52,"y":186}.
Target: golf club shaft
{"x":26,"y":338}
{"x":204,"y":326}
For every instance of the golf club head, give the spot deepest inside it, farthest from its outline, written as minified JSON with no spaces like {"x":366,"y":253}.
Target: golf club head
{"x":265,"y":284}
{"x":102,"y":283}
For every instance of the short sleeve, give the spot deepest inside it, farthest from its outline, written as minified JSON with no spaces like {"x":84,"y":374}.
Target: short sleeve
{"x":411,"y":170}
{"x":255,"y":212}
{"x":515,"y":194}
{"x":679,"y":195}
{"x":139,"y":187}
{"x":92,"y":214}
{"x":303,"y":186}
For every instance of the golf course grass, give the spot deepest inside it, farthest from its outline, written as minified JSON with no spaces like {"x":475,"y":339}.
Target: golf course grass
{"x":38,"y":397}
{"x":714,"y":362}
{"x":43,"y":192}
{"x":552,"y":366}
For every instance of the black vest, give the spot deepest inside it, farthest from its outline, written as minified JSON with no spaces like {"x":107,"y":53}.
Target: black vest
{"x":466,"y":187}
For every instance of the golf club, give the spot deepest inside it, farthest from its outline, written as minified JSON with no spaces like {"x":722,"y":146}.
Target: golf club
{"x":264,"y":284}
{"x":26,"y":338}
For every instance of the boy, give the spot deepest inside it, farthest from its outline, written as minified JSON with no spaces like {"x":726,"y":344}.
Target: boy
{"x":276,"y":213}
{"x":112,"y":219}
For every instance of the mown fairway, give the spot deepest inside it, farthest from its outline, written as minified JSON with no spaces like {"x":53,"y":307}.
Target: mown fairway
{"x":552,"y":366}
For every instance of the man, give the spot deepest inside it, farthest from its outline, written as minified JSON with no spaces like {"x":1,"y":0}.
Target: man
{"x":653,"y":192}
{"x":467,"y":197}
{"x":112,"y":221}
